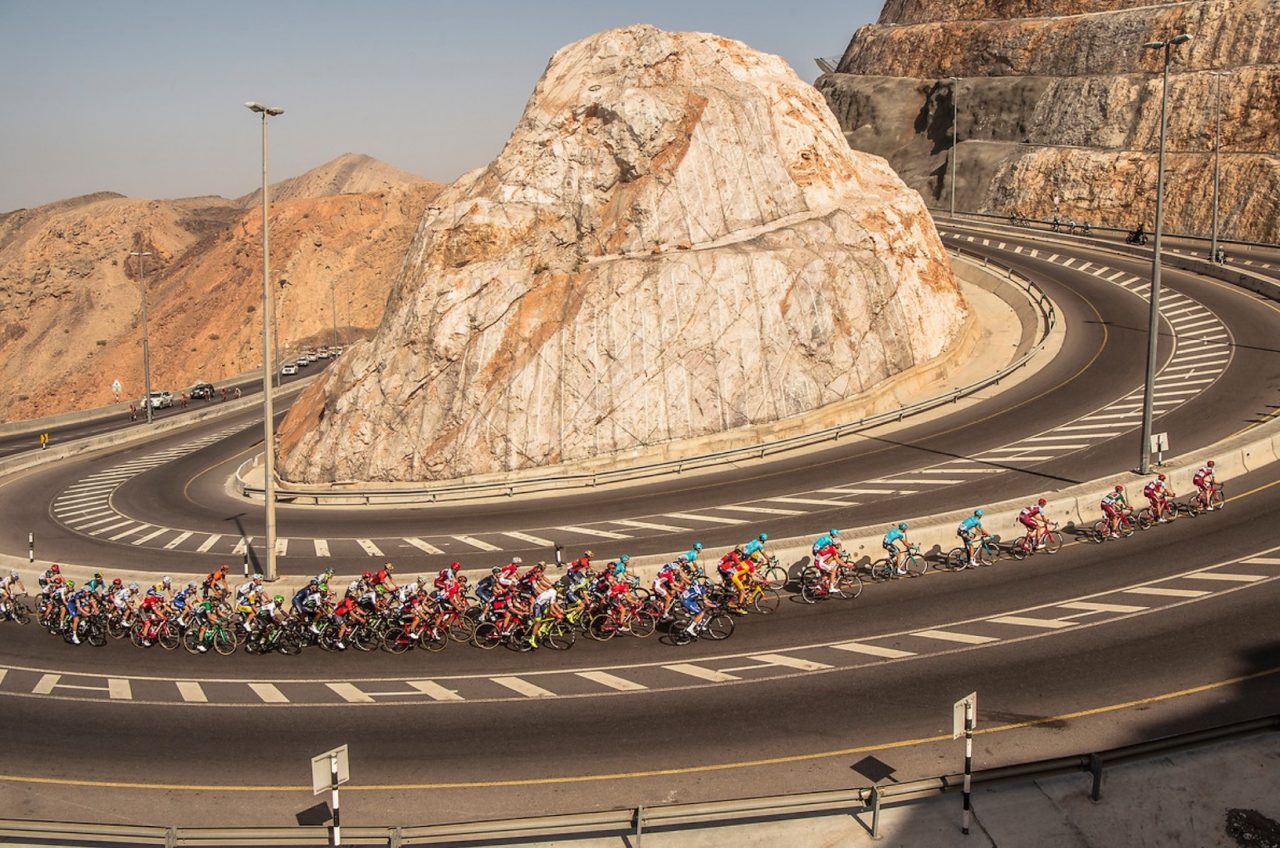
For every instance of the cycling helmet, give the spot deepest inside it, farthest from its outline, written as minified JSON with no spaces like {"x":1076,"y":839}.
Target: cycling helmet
{"x":462,"y":578}
{"x":159,"y":587}
{"x":367,"y":575}
{"x":588,"y":554}
{"x":71,"y":584}
{"x":764,"y":537}
{"x":168,"y":581}
{"x":1209,"y":463}
{"x":54,"y":568}
{"x":279,"y":599}
{"x":13,"y":574}
{"x":422,"y":579}
{"x":902,"y":525}
{"x":116,"y":582}
{"x":58,"y":579}
{"x":1042,"y":502}
{"x":1160,"y":476}
{"x":133,"y":587}
{"x":834,"y":532}
{"x":517,"y":561}
{"x":697,"y":546}
{"x":977,"y":513}
{"x":191,"y":586}
{"x":257,"y":578}
{"x":496,"y":569}
{"x":389,"y":567}
{"x":624,"y":558}
{"x":1119,"y":487}
{"x":455,"y":565}
{"x":97,"y":575}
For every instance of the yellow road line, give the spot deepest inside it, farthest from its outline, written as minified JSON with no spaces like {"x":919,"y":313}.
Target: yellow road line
{"x":594,"y":778}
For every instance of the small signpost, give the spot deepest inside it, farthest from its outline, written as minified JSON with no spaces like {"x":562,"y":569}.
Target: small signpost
{"x":328,"y":771}
{"x":964,"y":716}
{"x":1159,"y":444}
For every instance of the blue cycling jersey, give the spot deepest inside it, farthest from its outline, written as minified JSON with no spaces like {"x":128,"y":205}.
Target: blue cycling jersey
{"x":970,"y":524}
{"x":691,"y":554}
{"x":894,"y":535}
{"x":755,"y":546}
{"x":821,"y":542}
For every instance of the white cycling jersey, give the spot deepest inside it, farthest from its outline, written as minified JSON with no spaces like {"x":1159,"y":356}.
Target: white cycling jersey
{"x":546,"y":597}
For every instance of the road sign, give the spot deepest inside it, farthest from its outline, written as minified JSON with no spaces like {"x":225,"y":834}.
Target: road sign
{"x":116,"y":388}
{"x":957,"y":714}
{"x":1159,"y":442}
{"x":322,"y":770}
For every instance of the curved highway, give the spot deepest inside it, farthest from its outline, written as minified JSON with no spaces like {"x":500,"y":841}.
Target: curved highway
{"x":1100,"y":645}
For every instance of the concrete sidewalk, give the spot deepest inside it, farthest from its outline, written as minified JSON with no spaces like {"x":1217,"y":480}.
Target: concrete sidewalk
{"x":1225,"y":795}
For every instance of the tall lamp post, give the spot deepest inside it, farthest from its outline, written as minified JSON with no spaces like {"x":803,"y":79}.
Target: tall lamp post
{"x":1217,"y":158}
{"x":955,"y":137}
{"x":1153,"y":332}
{"x":275,"y":328}
{"x":333,"y":305}
{"x":146,"y":346}
{"x":268,"y":426}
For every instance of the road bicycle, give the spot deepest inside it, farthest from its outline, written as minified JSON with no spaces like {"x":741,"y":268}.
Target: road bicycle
{"x":281,"y":638}
{"x":1169,"y":512}
{"x":715,"y":625}
{"x":844,"y":583}
{"x":163,"y":633}
{"x":1050,"y":543}
{"x":1217,"y":500}
{"x":216,"y":635}
{"x":15,"y":609}
{"x":1129,"y":522}
{"x":773,"y":573}
{"x":556,"y":634}
{"x":907,"y":564}
{"x":640,"y":622}
{"x":400,"y":638}
{"x":986,"y":550}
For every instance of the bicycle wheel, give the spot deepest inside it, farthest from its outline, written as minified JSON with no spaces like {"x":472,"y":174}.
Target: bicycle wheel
{"x":135,"y":633}
{"x":775,"y":575}
{"x":882,"y":569}
{"x":224,"y":642}
{"x":461,"y":629}
{"x":434,"y":640}
{"x":1020,"y":549}
{"x":168,"y":638}
{"x":602,"y":627}
{"x":987,"y":552}
{"x":1126,"y":526}
{"x":848,"y":583}
{"x":1218,"y":498}
{"x":488,"y":636}
{"x":643,"y":623}
{"x":1052,"y":542}
{"x":1171,"y":511}
{"x":1143,"y":518}
{"x":719,"y":627}
{"x":96,"y":633}
{"x":956,"y":559}
{"x":396,"y":640}
{"x":915,"y":565}
{"x":765,"y":600}
{"x":813,"y":592}
{"x":19,"y":612}
{"x":117,"y":627}
{"x":191,"y":641}
{"x":1099,"y":532}
{"x":561,"y":635}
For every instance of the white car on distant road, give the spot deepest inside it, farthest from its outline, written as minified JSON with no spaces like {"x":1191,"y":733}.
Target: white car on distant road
{"x":289,"y":370}
{"x":159,"y":400}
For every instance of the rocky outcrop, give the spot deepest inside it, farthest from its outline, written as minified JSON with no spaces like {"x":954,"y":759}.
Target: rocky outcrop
{"x":1057,"y":107}
{"x":675,"y":241}
{"x":70,"y":305}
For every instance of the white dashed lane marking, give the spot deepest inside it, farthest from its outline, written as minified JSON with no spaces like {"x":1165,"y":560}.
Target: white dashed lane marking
{"x":369,"y":547}
{"x":192,"y":692}
{"x":701,"y":673}
{"x":523,"y":687}
{"x":321,"y":546}
{"x":269,"y":693}
{"x":208,"y":543}
{"x":422,"y":546}
{"x":604,"y":678}
{"x":873,"y":650}
{"x":177,"y":540}
{"x":951,"y":636}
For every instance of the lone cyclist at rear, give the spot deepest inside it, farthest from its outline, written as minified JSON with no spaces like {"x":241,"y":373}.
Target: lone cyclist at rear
{"x":890,"y":543}
{"x":1035,"y":518}
{"x":1206,"y":483}
{"x":1114,"y":505}
{"x":1158,"y":493}
{"x":970,"y":528}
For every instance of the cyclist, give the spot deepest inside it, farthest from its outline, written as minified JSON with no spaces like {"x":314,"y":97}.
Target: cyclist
{"x":1206,"y":483}
{"x":487,"y":585}
{"x":205,"y":617}
{"x":77,"y":604}
{"x":381,"y":579}
{"x":447,"y":575}
{"x":184,"y":598}
{"x":890,"y":544}
{"x":728,"y":564}
{"x":828,"y":539}
{"x":96,"y":584}
{"x":668,"y":585}
{"x":305,"y":600}
{"x":217,"y":579}
{"x":826,"y":558}
{"x":1158,"y":494}
{"x":692,"y":554}
{"x":620,"y":567}
{"x":691,"y":600}
{"x":968,"y":528}
{"x":152,"y":609}
{"x":1033,"y":517}
{"x":1114,"y":505}
{"x":45,"y":580}
{"x":9,"y":584}
{"x":325,"y":576}
{"x":344,"y":613}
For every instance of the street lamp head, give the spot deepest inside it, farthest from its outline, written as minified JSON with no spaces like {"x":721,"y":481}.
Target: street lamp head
{"x":1181,"y":38}
{"x":255,"y":106}
{"x":1150,"y":45}
{"x":137,"y":253}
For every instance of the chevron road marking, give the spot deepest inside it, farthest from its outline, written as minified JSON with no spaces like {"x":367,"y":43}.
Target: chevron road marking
{"x":951,"y":636}
{"x":789,"y":662}
{"x":150,"y":536}
{"x":587,"y":531}
{"x":178,"y":540}
{"x":321,"y":546}
{"x":422,"y":546}
{"x":532,"y":540}
{"x":1222,"y":575}
{"x":1091,"y":607}
{"x":208,"y":543}
{"x":523,"y":687}
{"x":612,"y":681}
{"x":1262,"y":561}
{"x":269,"y":693}
{"x":701,"y":673}
{"x":242,"y":547}
{"x":434,"y":690}
{"x":282,"y":547}
{"x":369,"y":547}
{"x":763,"y":510}
{"x":1022,"y":621}
{"x":349,"y":693}
{"x":712,"y":518}
{"x":1166,"y":593}
{"x":126,"y":523}
{"x":817,"y":501}
{"x":873,"y":650}
{"x":645,"y":525}
{"x":192,"y":692}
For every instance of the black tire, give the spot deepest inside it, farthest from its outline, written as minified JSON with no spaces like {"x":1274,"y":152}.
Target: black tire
{"x":719,"y":626}
{"x":915,"y":564}
{"x":96,"y":632}
{"x":1052,"y":542}
{"x":561,"y":635}
{"x":955,"y":560}
{"x":1099,"y":532}
{"x":396,"y":640}
{"x":602,"y":628}
{"x":766,"y":600}
{"x":487,"y":636}
{"x":848,"y":583}
{"x":987,"y":552}
{"x":1020,"y":549}
{"x":224,"y":642}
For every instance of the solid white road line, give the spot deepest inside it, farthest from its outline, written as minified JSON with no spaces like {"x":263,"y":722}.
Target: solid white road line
{"x":422,"y":546}
{"x":523,"y":687}
{"x":612,"y":681}
{"x":873,"y":650}
{"x":952,"y":636}
{"x":701,"y":673}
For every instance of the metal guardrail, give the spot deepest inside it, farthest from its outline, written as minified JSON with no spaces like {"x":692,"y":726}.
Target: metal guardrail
{"x":532,"y":485}
{"x":629,"y":821}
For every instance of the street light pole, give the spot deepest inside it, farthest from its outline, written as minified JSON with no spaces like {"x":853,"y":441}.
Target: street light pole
{"x":1217,"y":161}
{"x":1153,"y":331}
{"x":275,"y":328}
{"x":146,"y":346}
{"x":268,"y":426}
{"x":333,"y":306}
{"x":955,"y":137}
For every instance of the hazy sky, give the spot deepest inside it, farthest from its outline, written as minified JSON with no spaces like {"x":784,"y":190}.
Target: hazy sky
{"x":145,"y":98}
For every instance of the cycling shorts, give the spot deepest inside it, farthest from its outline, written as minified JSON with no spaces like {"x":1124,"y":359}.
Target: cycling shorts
{"x":890,"y":547}
{"x":73,"y":608}
{"x":1028,"y":522}
{"x":691,"y":604}
{"x":740,"y":579}
{"x":1110,"y":510}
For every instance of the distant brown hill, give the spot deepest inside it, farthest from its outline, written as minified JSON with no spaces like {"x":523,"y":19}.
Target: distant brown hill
{"x":70,"y":308}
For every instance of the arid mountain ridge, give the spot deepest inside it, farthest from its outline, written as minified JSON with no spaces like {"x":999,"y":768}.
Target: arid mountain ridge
{"x":70,"y":293}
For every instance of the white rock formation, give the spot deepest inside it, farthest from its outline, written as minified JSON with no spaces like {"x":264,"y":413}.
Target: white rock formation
{"x":675,"y":241}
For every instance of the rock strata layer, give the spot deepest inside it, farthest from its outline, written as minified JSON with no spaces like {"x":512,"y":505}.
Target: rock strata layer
{"x":675,"y":241}
{"x":1058,"y":106}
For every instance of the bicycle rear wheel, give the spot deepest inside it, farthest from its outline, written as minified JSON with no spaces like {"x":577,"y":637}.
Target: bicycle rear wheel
{"x":396,"y":640}
{"x":1020,"y":549}
{"x":224,"y":642}
{"x":643,"y":623}
{"x":168,"y":638}
{"x":1099,"y":532}
{"x":602,"y":627}
{"x":956,"y":559}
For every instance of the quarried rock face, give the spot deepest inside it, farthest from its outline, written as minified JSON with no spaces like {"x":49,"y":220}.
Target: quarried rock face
{"x":1058,"y":107}
{"x":675,"y":241}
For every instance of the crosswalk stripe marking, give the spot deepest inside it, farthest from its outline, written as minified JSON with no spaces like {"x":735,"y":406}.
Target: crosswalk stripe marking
{"x":911,"y":481}
{"x":1023,"y":621}
{"x":1015,"y":457}
{"x":646,"y":525}
{"x":847,"y":491}
{"x":947,"y":469}
{"x":612,"y":681}
{"x":1112,"y":278}
{"x":816,"y":501}
{"x":763,"y":510}
{"x":44,"y":686}
{"x":523,"y":687}
{"x":479,"y":544}
{"x":1091,"y":606}
{"x":1062,"y":446}
{"x":147,"y":538}
{"x":952,"y":636}
{"x":588,"y":531}
{"x":99,"y":489}
{"x":81,"y":500}
{"x":716,"y":519}
{"x":790,"y":662}
{"x":350,"y":693}
{"x":1069,"y":262}
{"x":242,"y":547}
{"x":1074,"y":428}
{"x":110,"y":527}
{"x":1263,"y":561}
{"x":177,"y":540}
{"x":1183,"y":381}
{"x":701,"y":673}
{"x":321,"y":546}
{"x":87,"y":525}
{"x":1184,"y":326}
{"x":422,"y":546}
{"x":1167,"y":593}
{"x":268,"y":693}
{"x":532,"y":540}
{"x":369,"y":547}
{"x":1225,"y":576}
{"x":282,"y":547}
{"x":434,"y":690}
{"x":192,"y":692}
{"x":208,"y":543}
{"x":873,"y":650}
{"x":118,"y":689}
{"x":1164,"y":393}
{"x":82,"y":521}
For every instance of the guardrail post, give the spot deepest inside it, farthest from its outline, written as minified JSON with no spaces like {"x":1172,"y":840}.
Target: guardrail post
{"x":875,"y":812}
{"x":170,"y":837}
{"x":31,"y":546}
{"x":393,"y":838}
{"x":639,"y":825}
{"x":1095,"y":768}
